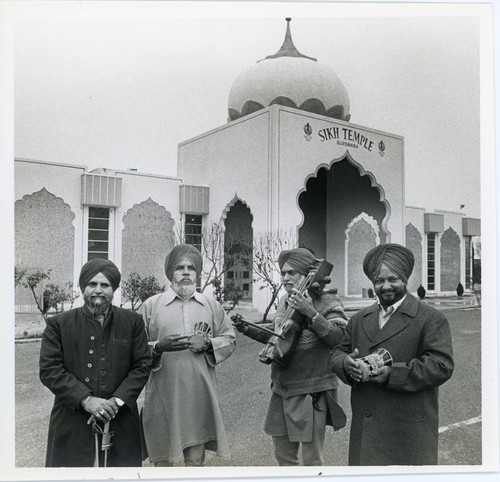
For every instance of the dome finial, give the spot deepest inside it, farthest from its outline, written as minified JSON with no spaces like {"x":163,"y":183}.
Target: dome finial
{"x":288,"y":49}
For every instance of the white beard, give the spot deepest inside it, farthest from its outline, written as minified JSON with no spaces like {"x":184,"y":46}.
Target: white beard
{"x":184,"y":291}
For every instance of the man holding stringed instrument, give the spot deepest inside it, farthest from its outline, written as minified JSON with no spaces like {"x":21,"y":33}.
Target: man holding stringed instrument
{"x":307,"y":324}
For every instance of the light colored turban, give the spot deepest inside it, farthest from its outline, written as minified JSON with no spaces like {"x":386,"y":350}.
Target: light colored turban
{"x":397,"y":258}
{"x":180,"y":252}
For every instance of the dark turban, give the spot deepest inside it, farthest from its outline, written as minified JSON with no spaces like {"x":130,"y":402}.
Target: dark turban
{"x":96,"y":266}
{"x":300,"y":259}
{"x":397,"y":258}
{"x":180,"y":252}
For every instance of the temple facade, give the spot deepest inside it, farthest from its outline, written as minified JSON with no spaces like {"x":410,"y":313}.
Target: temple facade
{"x":289,"y":166}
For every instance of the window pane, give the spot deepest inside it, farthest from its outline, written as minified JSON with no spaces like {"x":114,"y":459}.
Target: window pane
{"x":98,"y":235}
{"x":98,"y":246}
{"x":98,"y":223}
{"x":97,"y":255}
{"x":99,"y":213}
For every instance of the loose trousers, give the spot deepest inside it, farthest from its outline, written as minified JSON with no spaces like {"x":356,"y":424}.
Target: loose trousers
{"x":312,"y":440}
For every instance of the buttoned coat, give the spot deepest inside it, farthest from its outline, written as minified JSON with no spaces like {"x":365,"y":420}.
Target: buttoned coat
{"x":397,"y":423}
{"x":78,"y":357}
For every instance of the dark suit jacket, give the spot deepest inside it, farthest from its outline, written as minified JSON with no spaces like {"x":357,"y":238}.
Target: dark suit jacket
{"x":79,"y":358}
{"x":397,"y":424}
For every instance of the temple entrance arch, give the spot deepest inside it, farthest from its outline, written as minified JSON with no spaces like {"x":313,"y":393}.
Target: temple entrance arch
{"x":332,"y":199}
{"x":238,"y":247}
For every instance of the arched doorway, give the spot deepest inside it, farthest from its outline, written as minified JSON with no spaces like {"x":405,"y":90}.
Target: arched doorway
{"x":238,"y":244}
{"x":332,"y":199}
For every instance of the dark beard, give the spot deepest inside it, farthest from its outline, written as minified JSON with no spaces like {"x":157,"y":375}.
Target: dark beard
{"x":98,"y":306}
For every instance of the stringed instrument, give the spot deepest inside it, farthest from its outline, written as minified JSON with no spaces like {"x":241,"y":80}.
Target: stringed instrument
{"x":280,"y":349}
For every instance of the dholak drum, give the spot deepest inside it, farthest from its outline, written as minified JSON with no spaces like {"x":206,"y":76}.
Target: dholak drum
{"x":371,"y":364}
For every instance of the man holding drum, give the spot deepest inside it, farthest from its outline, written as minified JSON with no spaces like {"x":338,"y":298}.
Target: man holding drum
{"x":394,"y":402}
{"x":304,"y":395}
{"x":190,"y":334}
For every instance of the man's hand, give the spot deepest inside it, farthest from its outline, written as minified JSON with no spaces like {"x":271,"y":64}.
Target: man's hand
{"x":238,"y":323}
{"x":172,"y":343}
{"x":101,"y":409}
{"x":302,"y":303}
{"x":351,"y":366}
{"x":382,"y":377}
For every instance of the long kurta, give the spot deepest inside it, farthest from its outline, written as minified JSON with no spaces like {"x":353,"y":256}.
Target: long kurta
{"x":78,"y":357}
{"x":397,"y":423}
{"x":180,"y":406}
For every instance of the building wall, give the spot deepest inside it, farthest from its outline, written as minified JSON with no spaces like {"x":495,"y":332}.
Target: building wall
{"x":266,"y":160}
{"x":234,"y":160}
{"x":300,"y":156}
{"x":51,"y":224}
{"x":48,"y":218}
{"x":148,"y":223}
{"x":451,"y":252}
{"x":415,"y":241}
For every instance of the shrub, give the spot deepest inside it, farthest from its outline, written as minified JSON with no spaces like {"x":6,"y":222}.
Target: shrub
{"x":228,"y":295}
{"x":53,"y":297}
{"x":137,"y":289}
{"x":421,"y":292}
{"x":460,"y":290}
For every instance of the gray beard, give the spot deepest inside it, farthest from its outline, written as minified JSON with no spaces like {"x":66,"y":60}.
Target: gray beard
{"x":183,"y":291}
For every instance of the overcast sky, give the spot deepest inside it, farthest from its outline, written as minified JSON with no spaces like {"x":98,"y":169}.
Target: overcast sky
{"x":123,"y":92}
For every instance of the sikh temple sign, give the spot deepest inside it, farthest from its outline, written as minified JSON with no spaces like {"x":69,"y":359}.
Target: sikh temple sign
{"x":346,"y":137}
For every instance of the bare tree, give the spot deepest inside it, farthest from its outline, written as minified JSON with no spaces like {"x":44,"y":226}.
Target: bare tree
{"x":267,"y":247}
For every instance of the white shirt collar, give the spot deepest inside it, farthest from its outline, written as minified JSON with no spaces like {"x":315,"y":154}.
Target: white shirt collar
{"x":171,"y":295}
{"x":394,"y":307}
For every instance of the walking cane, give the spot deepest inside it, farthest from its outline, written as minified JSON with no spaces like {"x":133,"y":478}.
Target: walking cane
{"x":105,"y":443}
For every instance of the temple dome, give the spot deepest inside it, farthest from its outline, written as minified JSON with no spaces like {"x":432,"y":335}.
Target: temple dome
{"x":292,"y":79}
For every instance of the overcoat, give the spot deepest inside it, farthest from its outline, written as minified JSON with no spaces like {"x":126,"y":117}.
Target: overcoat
{"x":78,"y":357}
{"x":397,"y":423}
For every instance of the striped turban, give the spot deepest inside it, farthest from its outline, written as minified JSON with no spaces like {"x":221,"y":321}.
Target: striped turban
{"x":96,"y":266}
{"x":397,"y":258}
{"x":300,"y":259}
{"x":180,"y":252}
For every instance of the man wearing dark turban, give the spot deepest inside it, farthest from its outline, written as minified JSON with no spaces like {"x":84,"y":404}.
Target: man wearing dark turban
{"x":304,"y":393}
{"x":96,"y":360}
{"x":394,"y":406}
{"x":190,"y":334}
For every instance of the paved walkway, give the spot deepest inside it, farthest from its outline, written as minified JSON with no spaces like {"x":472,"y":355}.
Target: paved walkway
{"x":439,"y":302}
{"x":30,"y":331}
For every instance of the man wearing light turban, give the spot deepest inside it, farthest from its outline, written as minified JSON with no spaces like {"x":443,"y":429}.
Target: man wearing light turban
{"x":394,"y":396}
{"x":96,"y":360}
{"x":190,"y":334}
{"x":304,"y":392}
